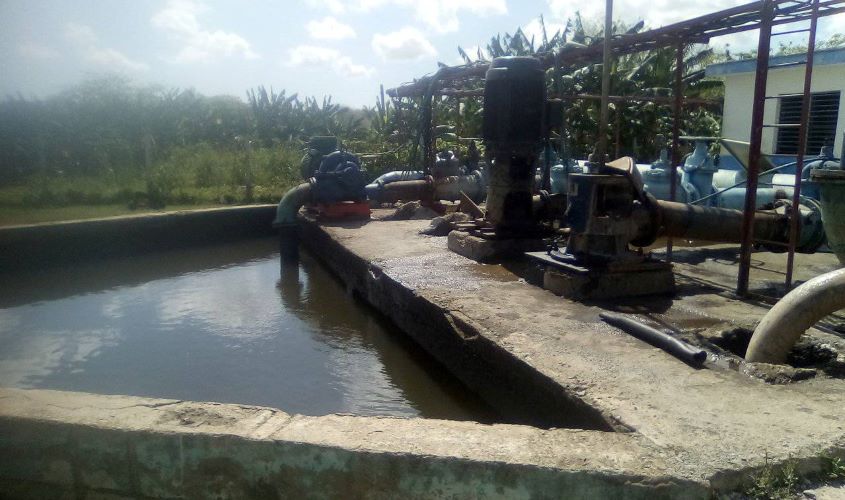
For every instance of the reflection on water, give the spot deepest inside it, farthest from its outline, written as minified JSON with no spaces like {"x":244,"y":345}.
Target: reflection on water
{"x":218,"y":324}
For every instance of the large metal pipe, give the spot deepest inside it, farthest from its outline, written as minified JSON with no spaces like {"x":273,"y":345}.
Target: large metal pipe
{"x":800,"y":309}
{"x":444,"y":188}
{"x":290,"y":204}
{"x":286,"y":223}
{"x":405,"y":190}
{"x":717,"y":224}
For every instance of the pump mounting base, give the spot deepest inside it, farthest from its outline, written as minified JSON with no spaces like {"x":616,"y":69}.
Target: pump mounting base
{"x":574,"y":280}
{"x":481,"y":249}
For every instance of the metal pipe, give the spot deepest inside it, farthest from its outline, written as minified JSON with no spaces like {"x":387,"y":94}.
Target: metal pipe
{"x":643,"y":98}
{"x":288,"y":245}
{"x":668,"y":343}
{"x":800,"y":309}
{"x":429,"y":189}
{"x":767,"y":13}
{"x":405,"y":190}
{"x":802,"y":143}
{"x":740,"y":183}
{"x":450,"y":188}
{"x":290,"y":204}
{"x":374,"y":188}
{"x":285,"y":221}
{"x":717,"y":224}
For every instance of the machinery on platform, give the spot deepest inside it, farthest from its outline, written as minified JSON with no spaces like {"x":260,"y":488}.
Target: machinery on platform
{"x":700,"y":179}
{"x":605,"y":211}
{"x":609,"y":212}
{"x":335,"y":189}
{"x":513,"y":131}
{"x":447,"y":181}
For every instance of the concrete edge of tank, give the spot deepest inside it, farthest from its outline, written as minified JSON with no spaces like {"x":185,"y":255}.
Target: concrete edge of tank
{"x":76,"y":444}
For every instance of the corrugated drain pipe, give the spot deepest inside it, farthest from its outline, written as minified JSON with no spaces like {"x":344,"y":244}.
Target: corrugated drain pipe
{"x":800,"y":309}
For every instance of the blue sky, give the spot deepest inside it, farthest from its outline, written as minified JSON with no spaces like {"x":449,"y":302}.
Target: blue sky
{"x":344,"y":48}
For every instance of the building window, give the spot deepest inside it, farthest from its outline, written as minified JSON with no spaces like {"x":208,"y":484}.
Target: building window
{"x":824,"y":110}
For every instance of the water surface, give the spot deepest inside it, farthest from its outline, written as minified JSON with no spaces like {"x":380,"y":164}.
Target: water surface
{"x":218,"y":324}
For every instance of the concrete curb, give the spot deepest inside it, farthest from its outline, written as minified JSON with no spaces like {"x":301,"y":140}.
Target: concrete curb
{"x":61,"y":444}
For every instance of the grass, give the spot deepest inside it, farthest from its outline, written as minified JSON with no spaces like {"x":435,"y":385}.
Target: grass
{"x":775,"y":482}
{"x":195,"y":176}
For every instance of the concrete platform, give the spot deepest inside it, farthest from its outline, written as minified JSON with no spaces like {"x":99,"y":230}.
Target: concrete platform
{"x":540,"y":357}
{"x":76,"y":445}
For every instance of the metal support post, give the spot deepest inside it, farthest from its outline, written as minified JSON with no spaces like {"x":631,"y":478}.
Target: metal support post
{"x":601,"y":150}
{"x":676,"y":132}
{"x":747,"y":238}
{"x":794,"y":221}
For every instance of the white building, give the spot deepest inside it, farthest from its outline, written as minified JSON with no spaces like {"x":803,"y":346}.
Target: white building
{"x":827,"y":115}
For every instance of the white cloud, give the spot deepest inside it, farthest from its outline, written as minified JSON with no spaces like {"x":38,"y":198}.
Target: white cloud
{"x":440,"y":16}
{"x":405,"y":44}
{"x":80,"y":33}
{"x":36,"y":51}
{"x":329,"y":28}
{"x":180,"y":20}
{"x":535,"y":30}
{"x":114,"y":58}
{"x":656,"y":13}
{"x":311,"y":55}
{"x":333,"y":6}
{"x":87,"y":41}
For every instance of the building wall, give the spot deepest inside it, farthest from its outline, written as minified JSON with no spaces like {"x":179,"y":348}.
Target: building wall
{"x":739,"y":93}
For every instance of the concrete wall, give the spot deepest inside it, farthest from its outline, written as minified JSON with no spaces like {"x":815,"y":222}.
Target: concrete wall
{"x":61,"y":243}
{"x":74,"y":445}
{"x":739,"y":93}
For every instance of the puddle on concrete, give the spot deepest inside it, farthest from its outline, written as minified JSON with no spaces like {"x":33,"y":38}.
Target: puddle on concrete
{"x":809,"y":357}
{"x":218,"y":324}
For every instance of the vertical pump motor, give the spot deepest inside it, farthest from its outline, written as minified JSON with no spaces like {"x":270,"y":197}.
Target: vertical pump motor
{"x":513,"y":130}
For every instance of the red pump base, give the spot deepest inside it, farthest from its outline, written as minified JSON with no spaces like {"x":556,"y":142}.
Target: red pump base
{"x":343,"y":210}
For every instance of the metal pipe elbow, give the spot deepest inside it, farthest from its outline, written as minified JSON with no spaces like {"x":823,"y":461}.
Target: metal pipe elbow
{"x":290,"y":204}
{"x":800,"y":309}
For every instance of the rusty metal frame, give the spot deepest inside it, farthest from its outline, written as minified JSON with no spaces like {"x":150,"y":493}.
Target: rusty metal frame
{"x":802,"y":145}
{"x":761,"y":14}
{"x":697,"y":30}
{"x":676,"y":132}
{"x":767,"y":15}
{"x":768,"y":19}
{"x":607,"y":49}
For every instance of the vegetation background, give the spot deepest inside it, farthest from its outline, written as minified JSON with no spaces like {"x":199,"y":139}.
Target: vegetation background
{"x":107,"y":146}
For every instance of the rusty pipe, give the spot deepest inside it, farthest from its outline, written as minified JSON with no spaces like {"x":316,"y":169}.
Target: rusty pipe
{"x":718,"y":224}
{"x":406,"y":190}
{"x":429,"y":188}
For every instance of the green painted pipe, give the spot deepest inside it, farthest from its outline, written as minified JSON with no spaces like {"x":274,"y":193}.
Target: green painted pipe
{"x":290,"y":204}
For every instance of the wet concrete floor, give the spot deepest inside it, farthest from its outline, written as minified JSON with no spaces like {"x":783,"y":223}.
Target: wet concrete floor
{"x":219,"y":324}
